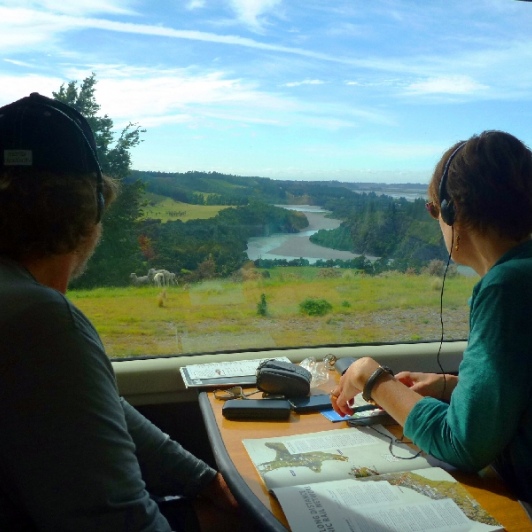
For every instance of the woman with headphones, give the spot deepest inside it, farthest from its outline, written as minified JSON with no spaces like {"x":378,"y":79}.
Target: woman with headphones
{"x":481,"y":195}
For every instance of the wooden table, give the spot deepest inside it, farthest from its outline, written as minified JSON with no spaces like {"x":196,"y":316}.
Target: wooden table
{"x":240,"y":473}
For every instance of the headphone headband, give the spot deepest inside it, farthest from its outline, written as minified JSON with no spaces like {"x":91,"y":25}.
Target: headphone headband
{"x":43,"y":133}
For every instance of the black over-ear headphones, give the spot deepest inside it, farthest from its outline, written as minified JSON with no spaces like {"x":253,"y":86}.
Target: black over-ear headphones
{"x":447,"y":209}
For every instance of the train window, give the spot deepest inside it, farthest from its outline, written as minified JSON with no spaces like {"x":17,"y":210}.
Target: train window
{"x":274,"y":158}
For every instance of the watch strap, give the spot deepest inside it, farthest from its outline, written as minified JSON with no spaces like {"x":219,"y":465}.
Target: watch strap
{"x":370,"y":383}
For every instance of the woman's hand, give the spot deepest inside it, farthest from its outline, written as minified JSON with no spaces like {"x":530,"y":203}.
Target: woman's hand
{"x":396,"y":396}
{"x":435,"y":385}
{"x":352,"y":383}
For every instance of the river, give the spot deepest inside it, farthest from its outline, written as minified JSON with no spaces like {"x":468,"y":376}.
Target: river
{"x":297,"y":245}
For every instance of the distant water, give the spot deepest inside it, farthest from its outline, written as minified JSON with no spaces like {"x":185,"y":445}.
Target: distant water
{"x":408,"y":196}
{"x":297,"y":245}
{"x":467,"y":271}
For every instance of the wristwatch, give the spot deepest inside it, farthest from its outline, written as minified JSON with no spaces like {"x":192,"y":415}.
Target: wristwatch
{"x":370,"y":383}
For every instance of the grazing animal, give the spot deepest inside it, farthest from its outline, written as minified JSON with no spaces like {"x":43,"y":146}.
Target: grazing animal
{"x":158,"y":279}
{"x":169,"y":277}
{"x":139,"y":281}
{"x":151,"y":274}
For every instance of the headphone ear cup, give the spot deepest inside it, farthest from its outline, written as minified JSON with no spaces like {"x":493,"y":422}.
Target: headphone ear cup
{"x":447,"y":212}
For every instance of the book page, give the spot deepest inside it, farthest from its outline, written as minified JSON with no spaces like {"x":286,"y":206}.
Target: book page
{"x":427,"y":499}
{"x":330,"y":455}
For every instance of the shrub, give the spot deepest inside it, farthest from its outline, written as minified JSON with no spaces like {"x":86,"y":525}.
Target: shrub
{"x":452,"y":271}
{"x":436,"y":267}
{"x":436,"y":284}
{"x":329,"y":273}
{"x":262,"y":306}
{"x":315,"y":307}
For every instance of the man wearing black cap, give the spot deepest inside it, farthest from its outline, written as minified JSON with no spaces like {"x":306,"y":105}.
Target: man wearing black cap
{"x":73,"y":454}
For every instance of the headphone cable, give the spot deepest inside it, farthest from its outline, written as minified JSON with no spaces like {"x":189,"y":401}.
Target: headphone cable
{"x":441,"y":314}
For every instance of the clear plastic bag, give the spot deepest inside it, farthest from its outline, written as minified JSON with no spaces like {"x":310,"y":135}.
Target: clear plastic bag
{"x":318,"y":370}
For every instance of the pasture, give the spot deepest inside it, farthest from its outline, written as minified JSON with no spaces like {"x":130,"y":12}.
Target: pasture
{"x":219,"y":315}
{"x":166,"y":209}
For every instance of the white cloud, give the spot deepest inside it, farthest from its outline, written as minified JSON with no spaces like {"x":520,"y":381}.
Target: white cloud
{"x":18,"y":63}
{"x":15,"y":87}
{"x":23,"y":28}
{"x":458,"y":85}
{"x":26,"y":28}
{"x":77,"y":7}
{"x":304,"y":82}
{"x":153,"y":97}
{"x":252,"y":12}
{"x":195,"y":4}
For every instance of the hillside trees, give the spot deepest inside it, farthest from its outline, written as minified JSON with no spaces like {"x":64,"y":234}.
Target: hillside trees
{"x":382,"y":226}
{"x":118,"y":253}
{"x":221,"y":241}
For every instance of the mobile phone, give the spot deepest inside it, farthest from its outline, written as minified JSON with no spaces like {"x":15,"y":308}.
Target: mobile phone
{"x":311,"y":403}
{"x":365,"y":418}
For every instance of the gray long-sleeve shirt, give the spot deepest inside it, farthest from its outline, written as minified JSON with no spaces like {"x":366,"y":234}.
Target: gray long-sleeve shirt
{"x":74,"y":455}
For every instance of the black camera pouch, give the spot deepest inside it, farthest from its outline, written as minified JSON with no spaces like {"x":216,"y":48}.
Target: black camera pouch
{"x":276,"y":377}
{"x":237,"y":409}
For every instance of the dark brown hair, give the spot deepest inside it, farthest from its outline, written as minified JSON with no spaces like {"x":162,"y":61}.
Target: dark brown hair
{"x":490,"y":183}
{"x":45,"y":213}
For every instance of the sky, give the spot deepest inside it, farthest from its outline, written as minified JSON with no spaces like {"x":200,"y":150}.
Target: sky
{"x":351,"y":90}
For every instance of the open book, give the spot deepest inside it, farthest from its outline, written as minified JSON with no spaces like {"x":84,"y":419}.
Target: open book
{"x":361,"y":479}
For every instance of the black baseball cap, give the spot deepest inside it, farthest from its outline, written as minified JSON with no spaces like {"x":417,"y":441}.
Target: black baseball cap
{"x":47,"y":134}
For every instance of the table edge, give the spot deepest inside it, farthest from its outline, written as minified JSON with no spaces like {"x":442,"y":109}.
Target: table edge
{"x":245,"y":496}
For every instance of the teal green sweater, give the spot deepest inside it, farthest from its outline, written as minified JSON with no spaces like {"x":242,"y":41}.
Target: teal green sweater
{"x":489,"y":418}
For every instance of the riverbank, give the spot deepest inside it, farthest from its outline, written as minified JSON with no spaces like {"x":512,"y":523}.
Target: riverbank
{"x":298,"y":245}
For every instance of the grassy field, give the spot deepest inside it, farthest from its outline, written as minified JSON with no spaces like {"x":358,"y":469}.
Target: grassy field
{"x":222,"y":315}
{"x":166,"y":209}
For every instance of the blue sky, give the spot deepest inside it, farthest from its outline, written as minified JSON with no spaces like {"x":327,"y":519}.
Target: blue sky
{"x":354,"y":90}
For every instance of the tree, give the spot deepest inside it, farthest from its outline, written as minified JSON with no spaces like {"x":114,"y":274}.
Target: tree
{"x":207,"y":269}
{"x":119,"y":251}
